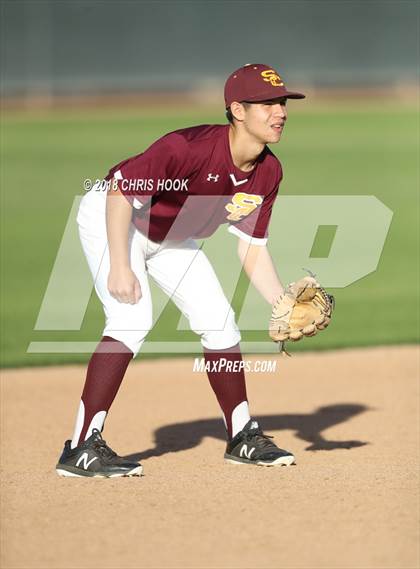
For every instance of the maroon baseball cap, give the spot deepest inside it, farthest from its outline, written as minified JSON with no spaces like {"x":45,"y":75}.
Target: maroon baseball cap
{"x":256,"y":82}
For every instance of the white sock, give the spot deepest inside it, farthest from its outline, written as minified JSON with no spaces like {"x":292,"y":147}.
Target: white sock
{"x":240,"y":417}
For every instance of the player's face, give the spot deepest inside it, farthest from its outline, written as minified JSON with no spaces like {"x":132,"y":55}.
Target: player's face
{"x":265,"y":121}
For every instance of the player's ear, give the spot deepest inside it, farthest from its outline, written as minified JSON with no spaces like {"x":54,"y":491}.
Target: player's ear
{"x":237,"y":110}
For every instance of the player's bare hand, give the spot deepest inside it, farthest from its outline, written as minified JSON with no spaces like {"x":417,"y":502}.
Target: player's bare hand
{"x":124,"y":286}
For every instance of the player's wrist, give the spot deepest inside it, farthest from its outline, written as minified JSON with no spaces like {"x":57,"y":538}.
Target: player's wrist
{"x":276,"y":295}
{"x":119,"y":266}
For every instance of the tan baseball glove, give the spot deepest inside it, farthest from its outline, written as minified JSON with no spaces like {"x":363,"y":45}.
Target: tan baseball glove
{"x":303,"y":310}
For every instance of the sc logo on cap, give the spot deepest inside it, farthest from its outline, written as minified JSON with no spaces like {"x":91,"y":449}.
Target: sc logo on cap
{"x":271,"y":77}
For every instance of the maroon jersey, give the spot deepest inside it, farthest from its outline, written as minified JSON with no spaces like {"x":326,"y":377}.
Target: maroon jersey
{"x":186,"y":185}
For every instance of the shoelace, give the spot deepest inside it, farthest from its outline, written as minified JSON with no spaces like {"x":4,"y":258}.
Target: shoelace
{"x":100,"y":445}
{"x":263,"y":440}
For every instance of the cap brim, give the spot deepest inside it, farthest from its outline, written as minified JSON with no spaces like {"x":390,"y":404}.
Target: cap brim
{"x":271,"y":96}
{"x":294,"y":95}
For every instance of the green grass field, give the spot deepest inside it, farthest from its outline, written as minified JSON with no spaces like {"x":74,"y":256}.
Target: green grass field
{"x":330,"y":150}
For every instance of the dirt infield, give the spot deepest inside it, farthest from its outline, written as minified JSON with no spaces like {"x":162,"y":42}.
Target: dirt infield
{"x":351,"y":418}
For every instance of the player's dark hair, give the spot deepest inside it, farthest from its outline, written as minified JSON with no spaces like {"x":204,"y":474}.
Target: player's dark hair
{"x":229,"y":114}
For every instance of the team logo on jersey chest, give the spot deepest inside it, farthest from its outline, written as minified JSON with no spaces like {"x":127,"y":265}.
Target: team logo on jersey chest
{"x":242,"y":205}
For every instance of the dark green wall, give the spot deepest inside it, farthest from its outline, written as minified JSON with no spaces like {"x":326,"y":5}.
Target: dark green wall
{"x":79,"y":46}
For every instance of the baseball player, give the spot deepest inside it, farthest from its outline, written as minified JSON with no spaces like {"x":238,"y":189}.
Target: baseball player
{"x":157,"y":203}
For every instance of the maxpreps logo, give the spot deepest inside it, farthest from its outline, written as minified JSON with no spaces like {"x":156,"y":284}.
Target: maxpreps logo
{"x":271,"y":76}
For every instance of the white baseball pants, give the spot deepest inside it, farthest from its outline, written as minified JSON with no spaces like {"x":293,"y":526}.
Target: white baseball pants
{"x":180,"y":269}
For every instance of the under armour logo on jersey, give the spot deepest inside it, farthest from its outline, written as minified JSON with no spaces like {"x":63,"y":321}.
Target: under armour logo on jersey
{"x":244,"y":451}
{"x":84,"y":458}
{"x":213,"y":177}
{"x":237,"y":182}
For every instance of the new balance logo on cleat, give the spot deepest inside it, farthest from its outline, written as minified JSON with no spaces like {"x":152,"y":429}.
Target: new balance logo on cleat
{"x":84,"y":459}
{"x":246,"y":452}
{"x":252,"y":446}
